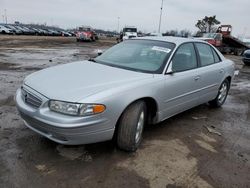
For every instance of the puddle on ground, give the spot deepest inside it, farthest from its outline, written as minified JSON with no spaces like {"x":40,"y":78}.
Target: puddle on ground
{"x":74,"y":152}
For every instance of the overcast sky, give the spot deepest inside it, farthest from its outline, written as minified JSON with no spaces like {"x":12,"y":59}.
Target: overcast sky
{"x":144,"y":14}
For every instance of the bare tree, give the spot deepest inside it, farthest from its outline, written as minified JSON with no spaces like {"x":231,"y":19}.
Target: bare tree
{"x":207,"y":24}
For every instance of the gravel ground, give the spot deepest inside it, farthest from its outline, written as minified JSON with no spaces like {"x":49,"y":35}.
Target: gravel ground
{"x":202,"y":147}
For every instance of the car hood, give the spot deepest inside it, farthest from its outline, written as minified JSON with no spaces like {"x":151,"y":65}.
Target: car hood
{"x":76,"y":81}
{"x":203,"y":38}
{"x":131,"y":33}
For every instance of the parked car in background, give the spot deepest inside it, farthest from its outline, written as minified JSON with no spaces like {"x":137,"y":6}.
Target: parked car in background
{"x":65,"y":34}
{"x":73,"y":34}
{"x":246,"y":41}
{"x":155,"y":34}
{"x":246,"y":57}
{"x":29,"y":31}
{"x":43,"y":31}
{"x":139,"y":81}
{"x":213,"y":38}
{"x":24,"y":31}
{"x":14,"y":29}
{"x":86,"y":34}
{"x":5,"y":30}
{"x":36,"y":31}
{"x":54,"y":32}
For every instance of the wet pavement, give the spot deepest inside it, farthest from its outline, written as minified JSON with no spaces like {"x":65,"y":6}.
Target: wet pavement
{"x":202,"y":147}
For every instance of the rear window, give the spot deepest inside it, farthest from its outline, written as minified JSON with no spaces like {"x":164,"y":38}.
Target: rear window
{"x":206,"y":54}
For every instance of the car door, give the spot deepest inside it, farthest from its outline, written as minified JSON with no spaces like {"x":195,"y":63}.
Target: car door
{"x":211,"y":72}
{"x":181,"y":84}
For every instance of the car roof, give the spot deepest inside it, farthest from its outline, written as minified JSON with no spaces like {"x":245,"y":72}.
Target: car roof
{"x":176,"y":40}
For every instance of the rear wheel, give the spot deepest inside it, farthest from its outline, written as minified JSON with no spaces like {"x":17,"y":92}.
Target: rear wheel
{"x":130,"y":127}
{"x":222,"y":94}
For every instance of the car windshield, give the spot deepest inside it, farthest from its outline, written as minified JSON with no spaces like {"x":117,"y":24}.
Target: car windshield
{"x":129,"y":30}
{"x":147,"y":56}
{"x":209,"y":35}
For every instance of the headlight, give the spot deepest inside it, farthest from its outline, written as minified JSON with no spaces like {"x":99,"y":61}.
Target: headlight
{"x":76,"y":109}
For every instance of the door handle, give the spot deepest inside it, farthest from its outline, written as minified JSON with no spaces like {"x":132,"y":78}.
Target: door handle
{"x":197,"y":78}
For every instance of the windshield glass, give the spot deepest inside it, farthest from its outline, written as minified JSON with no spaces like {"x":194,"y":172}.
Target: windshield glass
{"x":130,"y":30}
{"x":139,"y":55}
{"x":209,"y":35}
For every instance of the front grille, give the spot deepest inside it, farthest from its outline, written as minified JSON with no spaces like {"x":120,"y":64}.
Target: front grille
{"x":131,"y":37}
{"x":247,"y":55}
{"x":31,"y":99}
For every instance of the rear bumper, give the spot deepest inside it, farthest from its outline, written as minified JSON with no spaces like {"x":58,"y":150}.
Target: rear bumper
{"x":64,"y":129}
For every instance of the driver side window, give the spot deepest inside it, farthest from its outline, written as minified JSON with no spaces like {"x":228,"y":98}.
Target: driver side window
{"x":184,"y":58}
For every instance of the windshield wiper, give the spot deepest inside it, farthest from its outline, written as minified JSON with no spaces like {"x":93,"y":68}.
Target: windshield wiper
{"x":92,"y":60}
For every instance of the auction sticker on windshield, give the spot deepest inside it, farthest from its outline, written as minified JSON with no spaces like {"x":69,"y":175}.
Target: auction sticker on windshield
{"x":161,"y":49}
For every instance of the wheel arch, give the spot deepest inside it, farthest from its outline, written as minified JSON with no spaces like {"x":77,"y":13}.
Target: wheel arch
{"x":229,"y":79}
{"x":152,"y":108}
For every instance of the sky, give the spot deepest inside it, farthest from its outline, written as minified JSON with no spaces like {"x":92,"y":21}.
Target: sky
{"x":143,"y":14}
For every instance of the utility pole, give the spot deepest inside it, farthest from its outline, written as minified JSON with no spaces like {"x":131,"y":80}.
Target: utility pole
{"x":5,"y":12}
{"x":118,"y":27}
{"x":159,"y":29}
{"x":3,"y":18}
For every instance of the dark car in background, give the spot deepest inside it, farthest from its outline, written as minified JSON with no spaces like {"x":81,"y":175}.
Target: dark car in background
{"x":5,"y":30}
{"x":24,"y":30}
{"x":15,"y":30}
{"x":246,"y":57}
{"x":32,"y":29}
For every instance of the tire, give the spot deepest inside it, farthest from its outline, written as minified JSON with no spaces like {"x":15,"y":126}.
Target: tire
{"x":222,"y":95}
{"x":246,"y":63}
{"x":130,"y":127}
{"x":238,"y":52}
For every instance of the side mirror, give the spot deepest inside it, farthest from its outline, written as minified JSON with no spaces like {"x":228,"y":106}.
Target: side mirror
{"x":99,"y":52}
{"x":170,"y":68}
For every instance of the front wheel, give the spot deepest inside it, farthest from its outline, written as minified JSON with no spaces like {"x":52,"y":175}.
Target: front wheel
{"x":222,"y":95}
{"x":130,"y":127}
{"x":246,"y":63}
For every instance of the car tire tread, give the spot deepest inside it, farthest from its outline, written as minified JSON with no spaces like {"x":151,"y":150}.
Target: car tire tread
{"x":215,"y":103}
{"x":127,"y":126}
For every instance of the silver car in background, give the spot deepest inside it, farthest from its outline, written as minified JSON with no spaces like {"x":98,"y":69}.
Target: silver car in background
{"x":137,"y":82}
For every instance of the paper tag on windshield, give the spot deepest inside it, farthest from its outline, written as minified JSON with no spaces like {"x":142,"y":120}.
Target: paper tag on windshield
{"x":161,"y":49}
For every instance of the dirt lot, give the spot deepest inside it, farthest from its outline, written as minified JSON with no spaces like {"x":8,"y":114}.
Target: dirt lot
{"x":179,"y":152}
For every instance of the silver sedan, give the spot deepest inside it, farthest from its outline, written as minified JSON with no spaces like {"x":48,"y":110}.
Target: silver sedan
{"x":137,"y":82}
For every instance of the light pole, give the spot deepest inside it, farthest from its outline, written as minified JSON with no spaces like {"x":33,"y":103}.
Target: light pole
{"x":5,"y":12}
{"x":118,"y":26}
{"x":159,"y":29}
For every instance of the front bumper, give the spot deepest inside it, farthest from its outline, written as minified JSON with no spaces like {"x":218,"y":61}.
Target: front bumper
{"x":246,"y":59}
{"x":83,"y":38}
{"x":63,"y":129}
